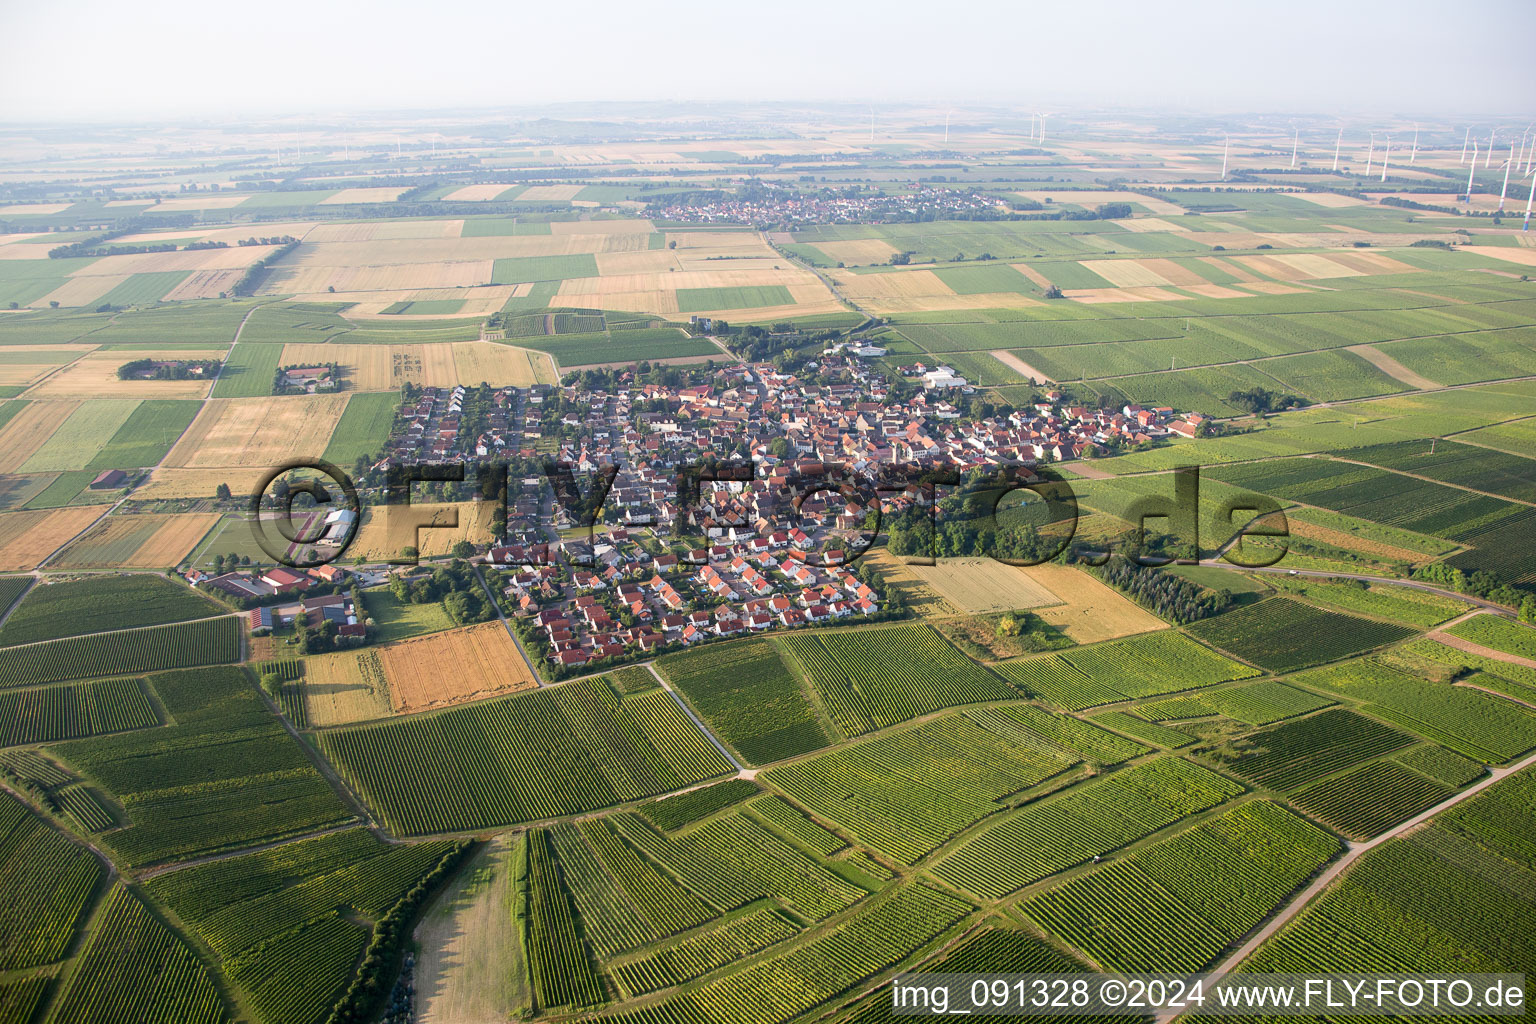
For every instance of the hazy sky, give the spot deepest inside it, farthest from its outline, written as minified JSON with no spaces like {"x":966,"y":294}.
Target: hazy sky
{"x":163,"y":58}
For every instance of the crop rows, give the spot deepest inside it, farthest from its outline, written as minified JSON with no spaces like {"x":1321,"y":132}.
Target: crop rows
{"x":1087,"y":821}
{"x":699,"y":954}
{"x":607,"y":918}
{"x":988,"y":951}
{"x":790,"y":822}
{"x":47,"y":882}
{"x":1368,"y":800}
{"x":787,"y":985}
{"x":225,"y":774}
{"x":1266,"y":702}
{"x":1498,"y":634}
{"x":670,"y":813}
{"x":1054,"y":679}
{"x":1145,"y":730}
{"x":660,"y":902}
{"x":1442,"y":765}
{"x":69,"y":712}
{"x":544,"y":754}
{"x":562,"y":973}
{"x":82,"y":807}
{"x":68,"y":609}
{"x":1177,"y":709}
{"x":906,"y":794}
{"x":1479,"y":468}
{"x":1175,"y":905}
{"x":1477,"y":724}
{"x":733,"y":861}
{"x":1297,"y":752}
{"x":288,"y":924}
{"x":134,"y":968}
{"x":1405,"y":908}
{"x":207,"y":642}
{"x":1073,"y":737}
{"x":877,"y":677}
{"x":1281,"y":635}
{"x":750,"y":699}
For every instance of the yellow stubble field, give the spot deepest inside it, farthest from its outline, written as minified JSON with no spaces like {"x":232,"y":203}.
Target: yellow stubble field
{"x":454,"y":666}
{"x":26,"y":538}
{"x":253,"y":433}
{"x":95,"y":375}
{"x":26,"y":432}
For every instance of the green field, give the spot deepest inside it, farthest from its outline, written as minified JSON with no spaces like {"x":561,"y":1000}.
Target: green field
{"x":699,"y":300}
{"x":543,"y":268}
{"x":80,"y":437}
{"x":225,"y":775}
{"x":363,"y":428}
{"x":1282,"y":635}
{"x":248,"y":370}
{"x":622,"y":346}
{"x":750,"y":699}
{"x":595,"y":750}
{"x":146,"y":435}
{"x":57,"y":610}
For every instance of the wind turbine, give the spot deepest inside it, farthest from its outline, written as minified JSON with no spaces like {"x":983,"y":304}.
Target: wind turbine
{"x":1042,"y":126}
{"x":1488,"y":161}
{"x":1295,"y":141}
{"x":1336,"y":144}
{"x":1507,"y":165}
{"x":1415,"y":154}
{"x":871,"y":124}
{"x":1385,"y":158}
{"x":1370,"y":155}
{"x":946,"y":127}
{"x":1464,"y":139}
{"x":1471,"y":171}
{"x":1031,"y":127}
{"x":1226,"y":144}
{"x":1528,"y":204}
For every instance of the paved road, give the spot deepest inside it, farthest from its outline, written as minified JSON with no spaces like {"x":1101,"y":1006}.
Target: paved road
{"x":1353,"y":853}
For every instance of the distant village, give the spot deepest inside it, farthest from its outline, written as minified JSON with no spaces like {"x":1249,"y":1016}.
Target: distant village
{"x":771,"y":205}
{"x":649,"y":571}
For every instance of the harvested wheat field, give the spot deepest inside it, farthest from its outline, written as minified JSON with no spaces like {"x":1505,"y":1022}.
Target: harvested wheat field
{"x":1090,"y":611}
{"x":166,"y":484}
{"x":138,"y":541}
{"x":96,"y":375}
{"x":348,"y":196}
{"x":29,"y":429}
{"x":979,"y":585}
{"x":80,"y":291}
{"x":501,"y":365}
{"x":236,"y":257}
{"x":26,"y":538}
{"x":476,"y":193}
{"x":256,"y":433}
{"x":1145,"y":224}
{"x":601,"y":227}
{"x":454,"y":666}
{"x":204,"y":284}
{"x":367,"y":231}
{"x":550,"y":193}
{"x":345,"y":687}
{"x":1089,"y":296}
{"x":427,"y":526}
{"x":388,"y":277}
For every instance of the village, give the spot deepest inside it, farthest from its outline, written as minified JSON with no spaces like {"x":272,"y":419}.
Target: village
{"x":769,"y":539}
